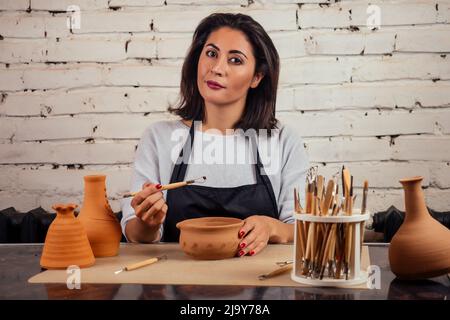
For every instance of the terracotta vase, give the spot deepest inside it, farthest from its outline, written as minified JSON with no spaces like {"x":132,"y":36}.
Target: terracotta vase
{"x":66,"y":242}
{"x":210,"y":238}
{"x":102,"y":227}
{"x":421,"y":246}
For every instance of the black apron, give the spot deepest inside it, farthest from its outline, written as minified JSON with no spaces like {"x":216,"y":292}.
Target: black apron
{"x":196,"y":201}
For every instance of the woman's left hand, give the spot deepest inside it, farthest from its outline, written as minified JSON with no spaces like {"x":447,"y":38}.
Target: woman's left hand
{"x":255,"y":235}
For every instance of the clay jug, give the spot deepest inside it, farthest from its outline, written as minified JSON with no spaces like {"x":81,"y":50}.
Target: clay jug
{"x":66,"y":242}
{"x":102,"y":227}
{"x":421,"y":246}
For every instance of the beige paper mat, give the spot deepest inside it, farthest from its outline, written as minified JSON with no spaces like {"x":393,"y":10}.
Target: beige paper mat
{"x":180,"y":269}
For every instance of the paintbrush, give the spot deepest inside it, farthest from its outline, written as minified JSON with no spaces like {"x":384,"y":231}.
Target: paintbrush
{"x":169,"y":186}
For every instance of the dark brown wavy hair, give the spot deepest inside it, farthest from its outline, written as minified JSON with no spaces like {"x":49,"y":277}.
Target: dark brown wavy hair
{"x":259,"y":111}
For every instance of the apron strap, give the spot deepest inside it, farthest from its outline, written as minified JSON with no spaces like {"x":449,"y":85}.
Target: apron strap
{"x":262,"y":176}
{"x":179,"y":170}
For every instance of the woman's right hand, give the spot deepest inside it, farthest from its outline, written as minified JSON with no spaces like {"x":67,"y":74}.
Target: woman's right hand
{"x":149,"y":205}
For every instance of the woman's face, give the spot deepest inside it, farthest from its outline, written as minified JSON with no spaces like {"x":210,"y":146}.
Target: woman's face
{"x":226,"y":67}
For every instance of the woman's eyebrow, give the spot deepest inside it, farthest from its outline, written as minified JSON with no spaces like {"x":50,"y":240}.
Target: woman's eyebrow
{"x":231,"y":51}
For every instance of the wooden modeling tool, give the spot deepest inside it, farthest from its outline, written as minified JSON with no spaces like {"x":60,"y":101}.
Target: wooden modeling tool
{"x":364,"y":209}
{"x":276,"y":272}
{"x":141,"y":264}
{"x":328,"y":197}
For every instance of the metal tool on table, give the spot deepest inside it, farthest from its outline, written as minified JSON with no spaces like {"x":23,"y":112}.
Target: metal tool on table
{"x":284,"y":263}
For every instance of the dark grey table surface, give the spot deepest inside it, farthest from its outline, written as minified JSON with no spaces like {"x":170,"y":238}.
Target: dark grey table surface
{"x":18,"y":262}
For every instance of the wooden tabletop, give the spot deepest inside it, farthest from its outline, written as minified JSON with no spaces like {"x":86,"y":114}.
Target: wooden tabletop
{"x":18,"y":262}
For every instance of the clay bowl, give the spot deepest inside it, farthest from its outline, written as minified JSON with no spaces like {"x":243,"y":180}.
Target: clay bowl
{"x":210,"y":238}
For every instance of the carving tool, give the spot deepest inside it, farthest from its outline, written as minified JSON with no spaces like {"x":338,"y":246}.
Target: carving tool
{"x":141,"y":264}
{"x":276,"y":272}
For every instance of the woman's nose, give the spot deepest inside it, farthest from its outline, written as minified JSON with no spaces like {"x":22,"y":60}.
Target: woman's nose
{"x":219,"y":67}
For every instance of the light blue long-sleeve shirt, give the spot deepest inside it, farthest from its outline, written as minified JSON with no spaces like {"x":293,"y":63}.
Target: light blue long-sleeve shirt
{"x":226,"y":161}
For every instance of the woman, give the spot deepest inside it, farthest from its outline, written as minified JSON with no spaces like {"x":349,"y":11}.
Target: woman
{"x":229,"y":81}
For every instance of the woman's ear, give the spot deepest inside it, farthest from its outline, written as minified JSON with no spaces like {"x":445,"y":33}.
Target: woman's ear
{"x":256,"y":80}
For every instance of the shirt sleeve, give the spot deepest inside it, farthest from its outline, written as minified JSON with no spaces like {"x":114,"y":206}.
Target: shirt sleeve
{"x":145,"y":169}
{"x":294,"y":167}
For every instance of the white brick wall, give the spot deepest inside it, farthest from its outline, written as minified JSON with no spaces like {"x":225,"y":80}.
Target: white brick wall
{"x":75,"y":102}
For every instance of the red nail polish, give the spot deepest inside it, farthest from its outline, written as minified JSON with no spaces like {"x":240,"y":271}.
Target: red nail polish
{"x":242,"y":245}
{"x":252,"y":252}
{"x":241,"y":253}
{"x":241,"y":233}
{"x":158,"y":186}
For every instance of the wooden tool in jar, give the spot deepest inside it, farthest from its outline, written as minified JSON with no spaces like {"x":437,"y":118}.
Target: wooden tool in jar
{"x":327,"y":246}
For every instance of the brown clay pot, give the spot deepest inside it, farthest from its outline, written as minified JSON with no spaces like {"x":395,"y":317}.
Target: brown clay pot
{"x":102,"y":227}
{"x":421,"y":246}
{"x":66,"y":242}
{"x":210,"y":238}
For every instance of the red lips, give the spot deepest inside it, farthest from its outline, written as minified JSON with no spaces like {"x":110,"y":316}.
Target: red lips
{"x":214,"y":84}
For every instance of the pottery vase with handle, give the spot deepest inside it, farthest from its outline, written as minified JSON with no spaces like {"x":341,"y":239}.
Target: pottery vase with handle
{"x":66,"y":242}
{"x":421,"y":247}
{"x":102,"y":227}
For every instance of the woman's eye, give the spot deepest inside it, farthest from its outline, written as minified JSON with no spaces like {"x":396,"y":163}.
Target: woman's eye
{"x":210,"y":53}
{"x":236,"y":60}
